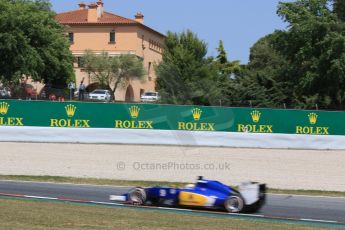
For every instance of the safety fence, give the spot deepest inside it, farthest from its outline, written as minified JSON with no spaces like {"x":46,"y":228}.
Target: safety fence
{"x":155,"y":117}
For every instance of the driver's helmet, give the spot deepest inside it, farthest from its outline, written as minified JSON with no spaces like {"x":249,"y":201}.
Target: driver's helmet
{"x":189,"y":186}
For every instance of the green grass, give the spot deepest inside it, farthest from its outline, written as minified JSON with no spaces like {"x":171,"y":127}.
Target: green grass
{"x":29,"y":215}
{"x":94,"y":181}
{"x":307,"y":192}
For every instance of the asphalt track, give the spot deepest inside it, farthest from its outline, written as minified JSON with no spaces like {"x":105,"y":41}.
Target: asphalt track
{"x":311,"y":209}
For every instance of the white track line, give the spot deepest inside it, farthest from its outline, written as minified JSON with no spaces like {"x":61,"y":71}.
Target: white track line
{"x":250,"y":215}
{"x":175,"y":209}
{"x":312,"y":220}
{"x":66,"y":183}
{"x":107,"y":203}
{"x":310,"y":196}
{"x":41,"y":197}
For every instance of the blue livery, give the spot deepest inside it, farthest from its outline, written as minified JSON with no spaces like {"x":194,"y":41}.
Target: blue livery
{"x":208,"y":194}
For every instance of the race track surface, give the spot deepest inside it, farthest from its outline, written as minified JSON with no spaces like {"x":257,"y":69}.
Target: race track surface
{"x":284,"y":206}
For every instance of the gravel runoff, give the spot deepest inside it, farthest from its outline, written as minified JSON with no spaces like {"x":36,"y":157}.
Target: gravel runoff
{"x":286,"y":169}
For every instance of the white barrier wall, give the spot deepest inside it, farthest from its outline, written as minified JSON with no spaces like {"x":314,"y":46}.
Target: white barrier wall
{"x":165,"y":137}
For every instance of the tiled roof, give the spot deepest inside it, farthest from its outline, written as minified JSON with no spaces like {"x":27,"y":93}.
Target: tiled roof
{"x":80,"y":17}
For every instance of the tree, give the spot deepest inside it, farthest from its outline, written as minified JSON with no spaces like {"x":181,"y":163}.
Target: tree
{"x":227,"y":73}
{"x":225,"y":67}
{"x":222,"y":56}
{"x":186,"y":75}
{"x":314,"y":47}
{"x":266,"y":71}
{"x":303,"y":65}
{"x":339,"y":9}
{"x":33,"y":44}
{"x":113,"y":71}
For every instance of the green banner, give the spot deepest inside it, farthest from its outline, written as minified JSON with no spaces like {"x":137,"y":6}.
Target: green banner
{"x":169,"y":117}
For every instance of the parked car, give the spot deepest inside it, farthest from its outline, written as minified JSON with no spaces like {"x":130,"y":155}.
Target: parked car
{"x":100,"y":95}
{"x":150,"y":97}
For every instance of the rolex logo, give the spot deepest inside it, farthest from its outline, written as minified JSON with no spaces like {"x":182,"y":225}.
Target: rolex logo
{"x":134,"y":111}
{"x":70,"y":110}
{"x":70,"y":122}
{"x":255,"y":116}
{"x":4,"y":108}
{"x":312,"y":118}
{"x":196,"y":114}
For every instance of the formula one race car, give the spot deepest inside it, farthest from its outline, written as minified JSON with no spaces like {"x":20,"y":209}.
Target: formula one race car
{"x":208,"y":194}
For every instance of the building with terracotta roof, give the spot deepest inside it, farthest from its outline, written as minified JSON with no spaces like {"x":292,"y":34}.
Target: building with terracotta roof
{"x":91,"y":27}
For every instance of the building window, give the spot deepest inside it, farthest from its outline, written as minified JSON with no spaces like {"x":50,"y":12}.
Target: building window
{"x":75,"y":62}
{"x":112,"y":36}
{"x":156,"y":46}
{"x":80,"y":62}
{"x":143,"y":42}
{"x":149,"y":68}
{"x":71,"y":37}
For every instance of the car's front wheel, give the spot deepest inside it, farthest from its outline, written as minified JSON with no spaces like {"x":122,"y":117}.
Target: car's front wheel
{"x":234,"y":204}
{"x":137,"y":196}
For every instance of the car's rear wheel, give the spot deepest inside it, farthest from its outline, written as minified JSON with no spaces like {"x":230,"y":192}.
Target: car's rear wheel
{"x":234,"y":204}
{"x":137,"y":196}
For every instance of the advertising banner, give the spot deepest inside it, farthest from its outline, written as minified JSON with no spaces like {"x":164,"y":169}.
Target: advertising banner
{"x":169,"y":117}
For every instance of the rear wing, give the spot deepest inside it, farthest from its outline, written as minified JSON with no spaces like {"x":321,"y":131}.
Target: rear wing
{"x":253,"y":192}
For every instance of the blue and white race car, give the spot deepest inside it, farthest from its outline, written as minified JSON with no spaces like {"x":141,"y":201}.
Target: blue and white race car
{"x":208,"y":194}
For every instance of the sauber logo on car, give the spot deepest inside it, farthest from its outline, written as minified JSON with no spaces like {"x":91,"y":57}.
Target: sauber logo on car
{"x":194,"y":199}
{"x":9,"y":121}
{"x":70,"y":122}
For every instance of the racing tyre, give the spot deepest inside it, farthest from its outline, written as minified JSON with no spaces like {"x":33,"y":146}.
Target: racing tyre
{"x":137,"y":196}
{"x":234,"y":204}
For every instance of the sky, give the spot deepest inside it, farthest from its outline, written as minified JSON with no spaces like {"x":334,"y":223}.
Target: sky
{"x":239,"y":23}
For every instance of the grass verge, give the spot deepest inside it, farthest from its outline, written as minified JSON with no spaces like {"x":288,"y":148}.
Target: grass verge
{"x":95,"y":181}
{"x":24,"y":214}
